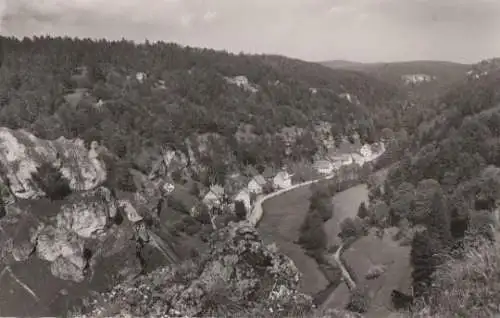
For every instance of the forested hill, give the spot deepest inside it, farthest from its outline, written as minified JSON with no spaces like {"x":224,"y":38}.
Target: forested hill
{"x":96,"y":90}
{"x":449,"y":181}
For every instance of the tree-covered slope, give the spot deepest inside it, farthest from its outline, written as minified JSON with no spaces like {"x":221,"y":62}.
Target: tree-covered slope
{"x":449,"y":181}
{"x":89,"y":89}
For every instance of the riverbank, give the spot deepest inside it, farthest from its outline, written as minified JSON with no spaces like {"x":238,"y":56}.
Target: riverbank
{"x":281,"y":224}
{"x":283,"y":217}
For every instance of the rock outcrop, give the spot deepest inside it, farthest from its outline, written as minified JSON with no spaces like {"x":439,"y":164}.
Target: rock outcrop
{"x":21,"y":153}
{"x":238,"y":277}
{"x":87,"y":242}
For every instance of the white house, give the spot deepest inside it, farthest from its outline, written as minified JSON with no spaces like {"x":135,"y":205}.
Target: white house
{"x":341,"y":160}
{"x":214,"y":196}
{"x":140,"y":76}
{"x":243,"y":82}
{"x":366,"y":151}
{"x":168,"y":187}
{"x":324,"y":167}
{"x":256,"y":185}
{"x":282,"y":180}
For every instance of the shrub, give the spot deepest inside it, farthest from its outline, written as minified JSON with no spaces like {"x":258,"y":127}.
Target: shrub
{"x":352,"y":228}
{"x":359,"y":300}
{"x":51,"y":182}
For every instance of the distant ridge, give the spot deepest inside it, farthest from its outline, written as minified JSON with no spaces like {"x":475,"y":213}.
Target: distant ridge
{"x":443,"y":73}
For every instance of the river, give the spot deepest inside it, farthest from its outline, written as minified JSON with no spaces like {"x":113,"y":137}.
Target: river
{"x":283,"y":215}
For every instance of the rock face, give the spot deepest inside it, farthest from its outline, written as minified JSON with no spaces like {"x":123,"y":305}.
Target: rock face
{"x":238,"y":277}
{"x":21,"y":153}
{"x":89,"y":213}
{"x":77,"y":245}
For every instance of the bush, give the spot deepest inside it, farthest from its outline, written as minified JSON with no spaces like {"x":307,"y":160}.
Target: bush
{"x":51,"y":182}
{"x":359,"y":300}
{"x":352,"y":228}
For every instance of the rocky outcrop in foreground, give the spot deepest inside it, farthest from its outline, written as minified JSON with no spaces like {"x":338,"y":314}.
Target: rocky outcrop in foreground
{"x":53,"y":253}
{"x":21,"y":153}
{"x":238,"y":277}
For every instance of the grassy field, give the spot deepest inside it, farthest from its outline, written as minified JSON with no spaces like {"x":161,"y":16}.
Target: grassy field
{"x":281,"y":221}
{"x":346,"y":204}
{"x":283,"y":216}
{"x":371,"y":251}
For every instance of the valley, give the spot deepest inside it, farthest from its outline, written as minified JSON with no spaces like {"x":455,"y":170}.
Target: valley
{"x":155,"y":179}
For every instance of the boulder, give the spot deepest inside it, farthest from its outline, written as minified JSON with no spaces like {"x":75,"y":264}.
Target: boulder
{"x":64,"y":250}
{"x":88,"y":213}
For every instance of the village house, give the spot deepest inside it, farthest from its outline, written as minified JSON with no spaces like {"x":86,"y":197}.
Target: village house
{"x":168,"y":187}
{"x":140,"y":77}
{"x":214,"y":197}
{"x":324,"y":167}
{"x":257,"y":184}
{"x":341,"y":160}
{"x":282,"y":180}
{"x":366,"y":151}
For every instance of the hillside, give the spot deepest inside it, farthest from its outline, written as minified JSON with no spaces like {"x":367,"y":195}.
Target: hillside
{"x":448,"y":182}
{"x":135,"y":98}
{"x":109,"y":151}
{"x":109,"y":148}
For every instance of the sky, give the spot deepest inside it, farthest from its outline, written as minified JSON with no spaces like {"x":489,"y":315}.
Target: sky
{"x":314,"y":30}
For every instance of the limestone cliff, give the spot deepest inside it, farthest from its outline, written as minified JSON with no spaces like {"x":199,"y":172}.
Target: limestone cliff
{"x":21,"y":153}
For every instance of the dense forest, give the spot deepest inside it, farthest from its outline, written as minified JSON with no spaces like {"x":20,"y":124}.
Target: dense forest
{"x":447,"y":180}
{"x":89,"y":89}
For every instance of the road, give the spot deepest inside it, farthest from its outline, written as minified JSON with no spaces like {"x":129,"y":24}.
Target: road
{"x":256,"y":215}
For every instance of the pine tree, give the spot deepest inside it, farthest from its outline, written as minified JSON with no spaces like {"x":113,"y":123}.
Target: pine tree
{"x":362,"y":211}
{"x":423,"y":262}
{"x":439,"y":223}
{"x":240,"y":210}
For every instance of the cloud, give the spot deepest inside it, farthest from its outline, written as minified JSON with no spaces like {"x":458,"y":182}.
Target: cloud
{"x":367,"y":30}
